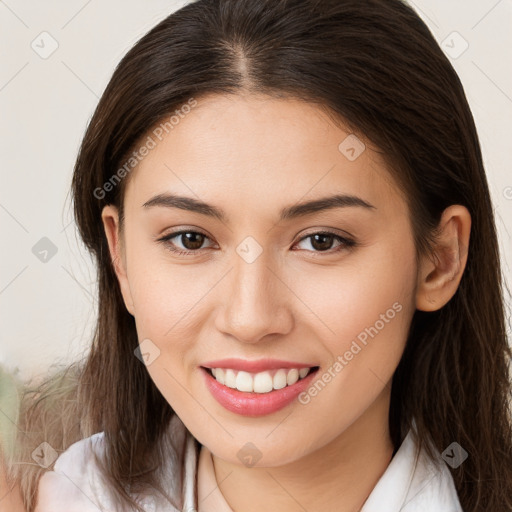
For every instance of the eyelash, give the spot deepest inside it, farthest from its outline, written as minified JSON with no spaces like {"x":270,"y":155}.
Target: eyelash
{"x":345,"y":243}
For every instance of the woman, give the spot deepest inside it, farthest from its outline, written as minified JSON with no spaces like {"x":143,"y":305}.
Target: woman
{"x":300,"y":302}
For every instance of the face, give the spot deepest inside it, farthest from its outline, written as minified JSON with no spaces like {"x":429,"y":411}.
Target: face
{"x":323,"y":295}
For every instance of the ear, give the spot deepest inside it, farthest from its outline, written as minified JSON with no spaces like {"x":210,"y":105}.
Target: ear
{"x":110,"y":218}
{"x":438,"y":279}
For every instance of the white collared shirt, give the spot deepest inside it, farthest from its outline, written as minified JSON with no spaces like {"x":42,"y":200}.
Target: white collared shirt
{"x":410,"y":483}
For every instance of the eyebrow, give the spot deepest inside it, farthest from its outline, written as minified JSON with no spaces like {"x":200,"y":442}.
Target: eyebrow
{"x":289,"y":212}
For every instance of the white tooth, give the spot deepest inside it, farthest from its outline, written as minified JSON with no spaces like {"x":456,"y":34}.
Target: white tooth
{"x":292,"y":377}
{"x":214,"y":371}
{"x":303,"y":372}
{"x":230,"y":379}
{"x":219,"y":375}
{"x":244,"y":382}
{"x":280,"y":379}
{"x":262,"y":382}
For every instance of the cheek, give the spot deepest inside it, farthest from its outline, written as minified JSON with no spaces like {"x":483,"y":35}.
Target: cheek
{"x":165,"y":295}
{"x":168,"y":313}
{"x":362,"y":310}
{"x":354,"y":294}
{"x":363,"y":331}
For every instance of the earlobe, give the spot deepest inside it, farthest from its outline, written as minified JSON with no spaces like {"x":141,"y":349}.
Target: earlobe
{"x":439,"y":276}
{"x":110,"y":218}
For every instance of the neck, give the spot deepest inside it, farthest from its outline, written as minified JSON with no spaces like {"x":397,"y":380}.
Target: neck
{"x":338,"y":477}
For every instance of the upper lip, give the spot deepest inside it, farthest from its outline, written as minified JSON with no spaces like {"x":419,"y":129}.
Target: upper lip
{"x":259,"y":365}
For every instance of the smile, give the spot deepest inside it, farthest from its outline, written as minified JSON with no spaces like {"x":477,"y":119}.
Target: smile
{"x":240,"y":388}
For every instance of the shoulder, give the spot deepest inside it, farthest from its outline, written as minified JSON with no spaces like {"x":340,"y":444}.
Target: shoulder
{"x":76,"y":482}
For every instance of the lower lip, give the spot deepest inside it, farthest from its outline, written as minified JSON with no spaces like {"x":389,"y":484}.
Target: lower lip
{"x":255,"y":404}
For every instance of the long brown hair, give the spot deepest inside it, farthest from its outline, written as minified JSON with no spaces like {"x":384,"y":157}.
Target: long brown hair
{"x":375,"y":66}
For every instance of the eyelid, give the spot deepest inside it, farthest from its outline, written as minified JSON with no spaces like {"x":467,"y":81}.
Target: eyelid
{"x":347,"y":241}
{"x":180,"y":231}
{"x":165,"y":239}
{"x":327,"y":231}
{"x":311,"y":231}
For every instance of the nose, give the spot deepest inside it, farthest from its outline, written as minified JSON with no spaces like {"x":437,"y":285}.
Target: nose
{"x":256,"y":302}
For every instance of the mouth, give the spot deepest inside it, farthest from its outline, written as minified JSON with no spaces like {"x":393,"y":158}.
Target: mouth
{"x":257,"y":393}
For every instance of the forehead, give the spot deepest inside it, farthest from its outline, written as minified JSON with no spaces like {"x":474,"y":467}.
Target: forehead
{"x":259,"y":152}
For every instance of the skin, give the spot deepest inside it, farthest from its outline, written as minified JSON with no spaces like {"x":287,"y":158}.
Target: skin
{"x":252,"y":156}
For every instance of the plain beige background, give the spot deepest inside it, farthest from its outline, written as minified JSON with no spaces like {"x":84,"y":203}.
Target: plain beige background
{"x":57,"y":57}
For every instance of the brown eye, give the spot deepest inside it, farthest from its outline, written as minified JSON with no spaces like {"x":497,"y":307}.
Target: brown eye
{"x":323,"y":241}
{"x":192,"y":240}
{"x":187,"y":242}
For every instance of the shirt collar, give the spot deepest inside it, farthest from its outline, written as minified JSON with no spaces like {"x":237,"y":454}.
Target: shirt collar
{"x":410,"y":482}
